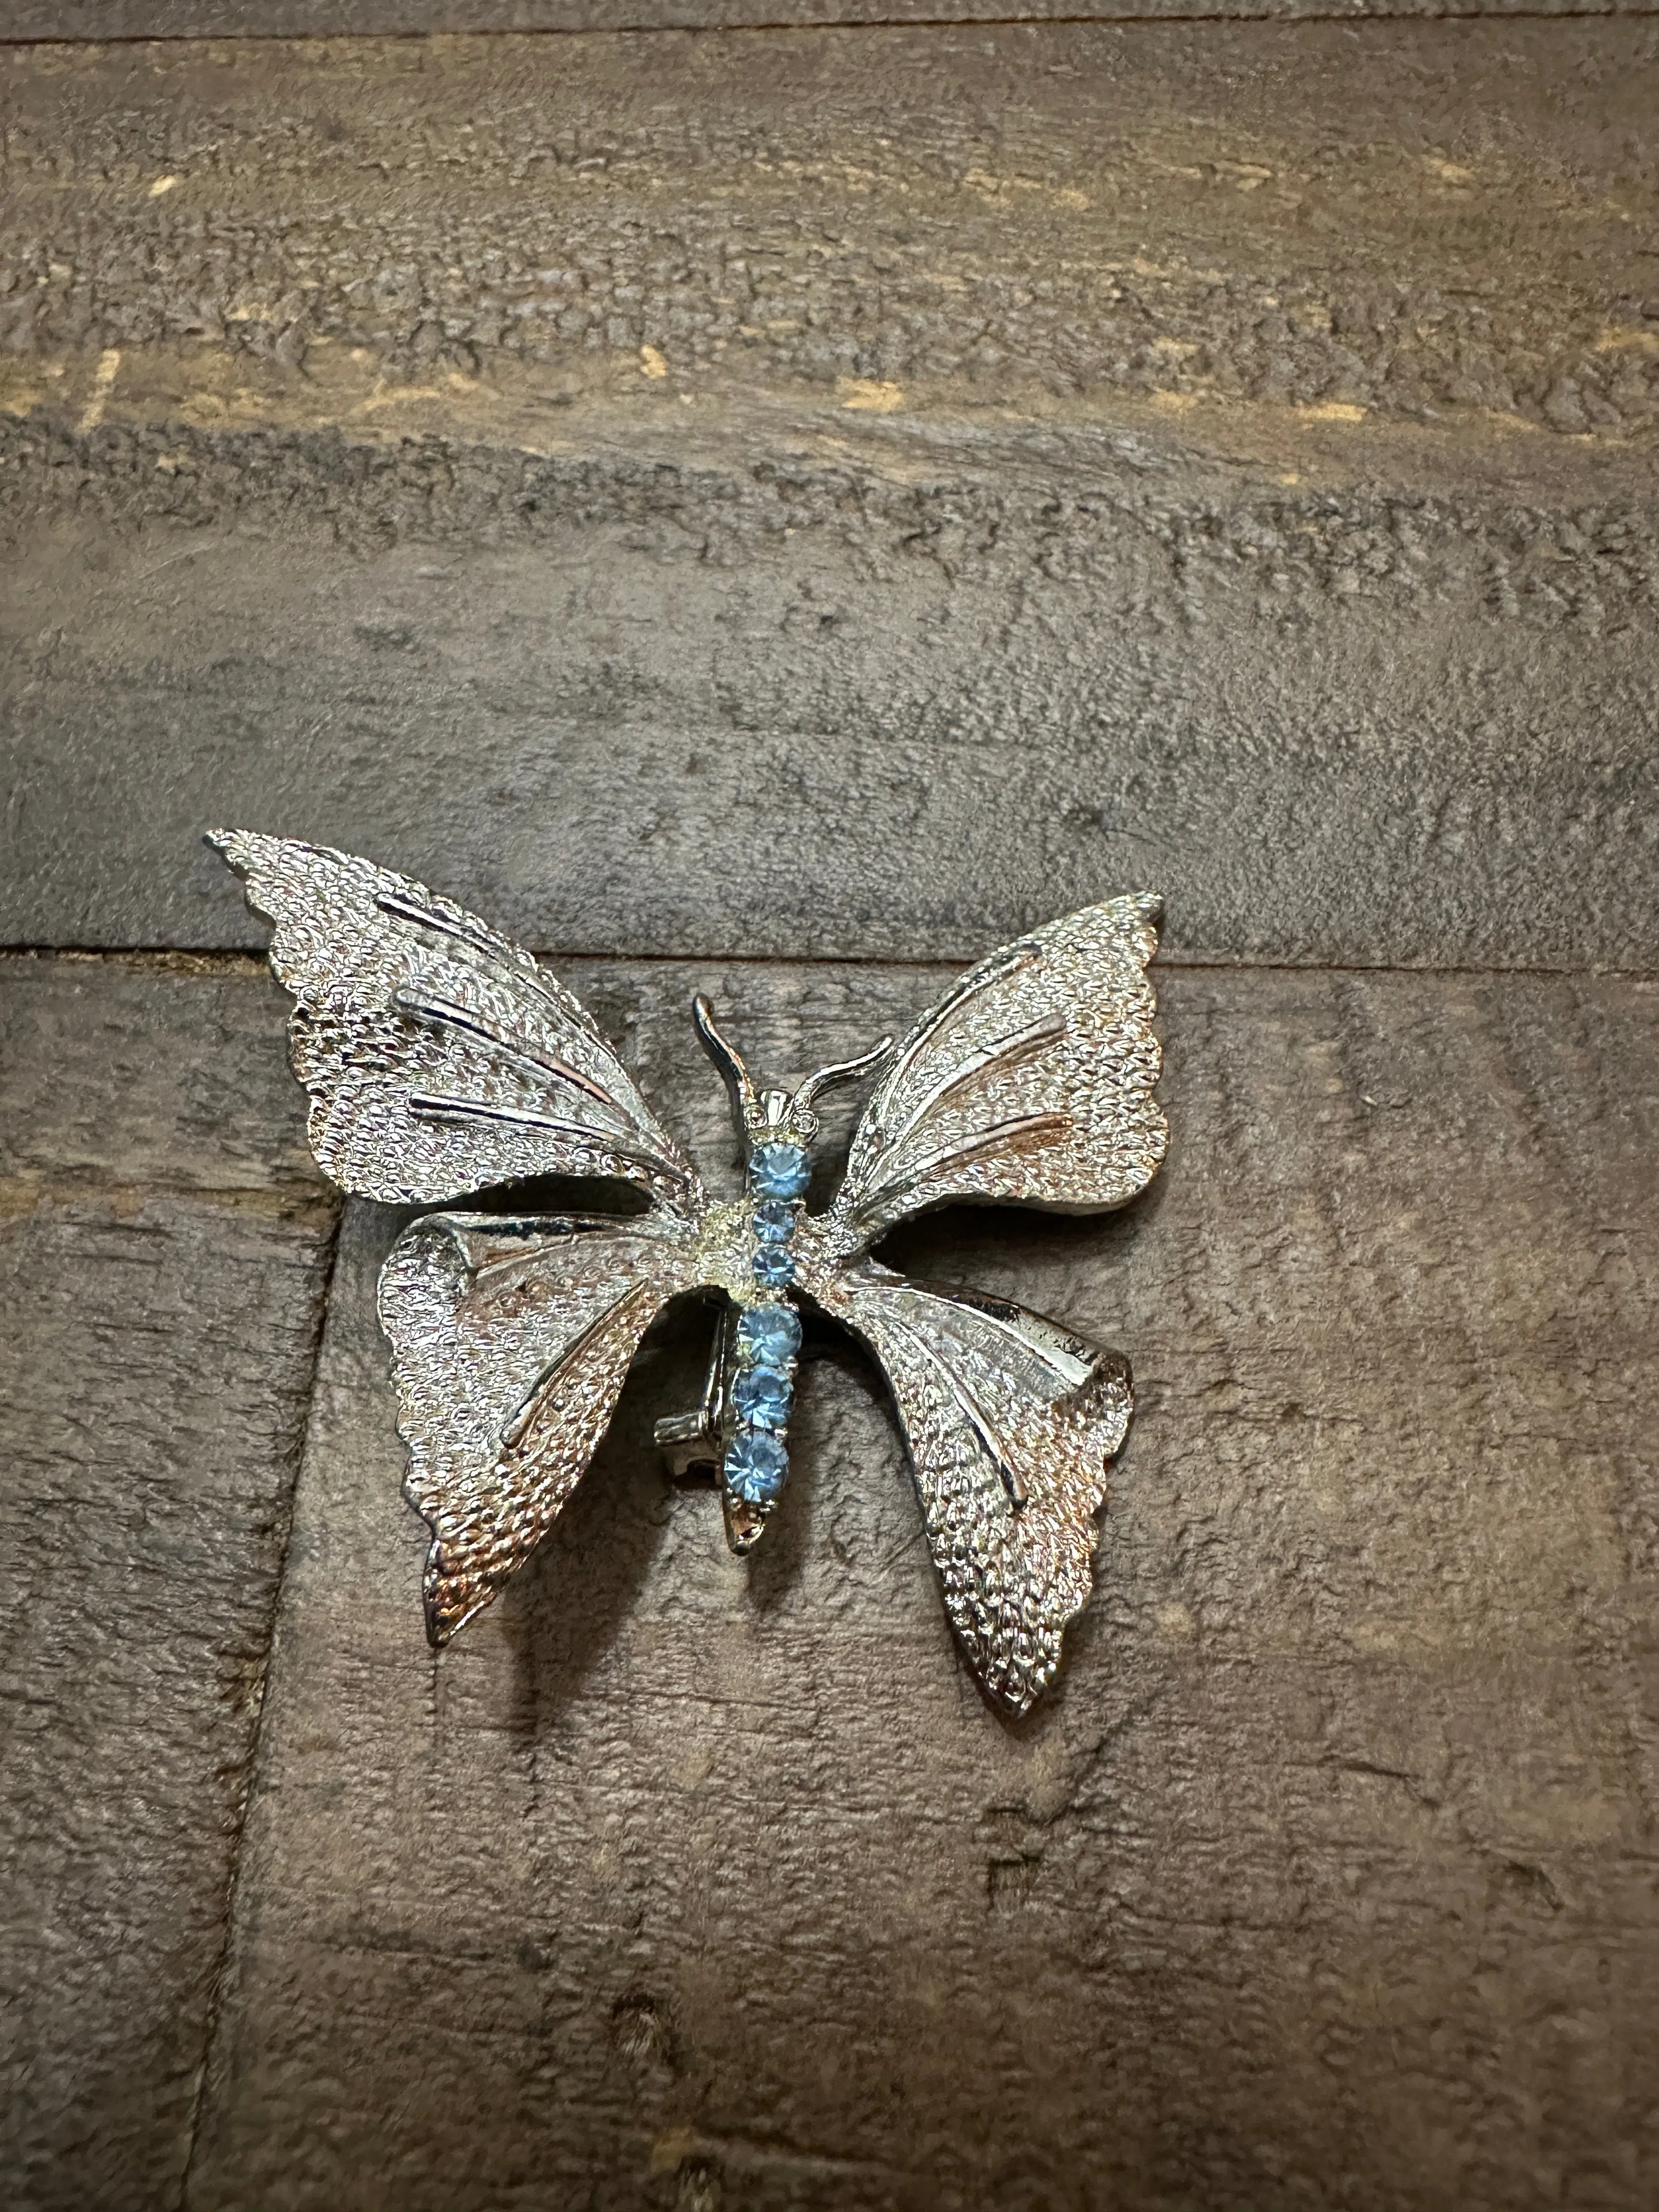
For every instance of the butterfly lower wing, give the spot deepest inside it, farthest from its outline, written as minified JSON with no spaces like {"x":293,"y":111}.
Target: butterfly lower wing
{"x":1011,"y":1421}
{"x":1030,"y":1082}
{"x":440,"y":1057}
{"x":510,"y":1342}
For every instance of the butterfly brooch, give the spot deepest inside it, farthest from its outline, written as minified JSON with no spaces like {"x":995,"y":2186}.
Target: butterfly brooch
{"x":441,"y":1059}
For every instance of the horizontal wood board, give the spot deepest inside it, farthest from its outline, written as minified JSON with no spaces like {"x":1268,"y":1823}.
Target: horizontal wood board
{"x":935,"y":480}
{"x":1326,"y":1877}
{"x":807,"y":746}
{"x":93,"y":20}
{"x":1416,"y":219}
{"x":163,"y":1256}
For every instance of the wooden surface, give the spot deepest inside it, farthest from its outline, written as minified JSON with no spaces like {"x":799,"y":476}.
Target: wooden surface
{"x":1037,"y":462}
{"x":1334,"y":1852}
{"x":163,"y":1255}
{"x":762,"y":512}
{"x":271,"y":18}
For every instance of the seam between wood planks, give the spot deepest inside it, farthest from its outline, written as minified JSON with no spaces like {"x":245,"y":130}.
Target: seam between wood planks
{"x":965,"y":22}
{"x":222,"y":1969}
{"x":296,"y":1200}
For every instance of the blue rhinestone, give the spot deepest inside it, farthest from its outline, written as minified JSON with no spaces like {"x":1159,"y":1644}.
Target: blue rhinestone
{"x":755,"y":1466}
{"x":769,"y":1336}
{"x":773,"y":1265}
{"x":775,"y":1222}
{"x":779,"y":1170}
{"x":762,"y":1395}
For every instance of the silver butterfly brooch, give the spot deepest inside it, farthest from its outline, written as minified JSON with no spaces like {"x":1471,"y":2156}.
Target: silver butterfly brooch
{"x":442,"y":1060}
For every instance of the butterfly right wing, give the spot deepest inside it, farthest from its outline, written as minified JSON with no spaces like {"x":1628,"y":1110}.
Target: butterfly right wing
{"x":1011,"y":1422}
{"x":510,"y":1342}
{"x":1029,"y":1082}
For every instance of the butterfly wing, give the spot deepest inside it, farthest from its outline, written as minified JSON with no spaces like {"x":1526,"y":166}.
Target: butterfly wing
{"x":510,"y":1342}
{"x":440,"y":1057}
{"x":1030,"y":1082}
{"x":1011,"y":1421}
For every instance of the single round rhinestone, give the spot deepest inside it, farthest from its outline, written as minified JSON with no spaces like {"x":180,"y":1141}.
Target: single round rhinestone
{"x":774,"y":1221}
{"x":763,"y":1395}
{"x":755,"y":1466}
{"x":779,"y":1170}
{"x":768,"y":1336}
{"x":773,"y":1265}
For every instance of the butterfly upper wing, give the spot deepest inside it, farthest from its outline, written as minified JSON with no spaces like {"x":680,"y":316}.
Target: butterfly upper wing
{"x":440,"y":1057}
{"x":510,"y":1342}
{"x":1011,"y":1421}
{"x":1030,"y":1081}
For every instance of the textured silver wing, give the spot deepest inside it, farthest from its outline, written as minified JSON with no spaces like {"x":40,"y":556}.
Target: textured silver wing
{"x":1011,"y":1421}
{"x":1030,"y":1081}
{"x":510,"y":1342}
{"x":439,"y":1056}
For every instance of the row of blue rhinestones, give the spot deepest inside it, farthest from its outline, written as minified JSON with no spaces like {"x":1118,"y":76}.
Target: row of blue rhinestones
{"x":769,"y":1332}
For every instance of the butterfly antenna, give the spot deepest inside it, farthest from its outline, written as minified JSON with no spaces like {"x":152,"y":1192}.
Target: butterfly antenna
{"x":739,"y":1089}
{"x":843,"y":1071}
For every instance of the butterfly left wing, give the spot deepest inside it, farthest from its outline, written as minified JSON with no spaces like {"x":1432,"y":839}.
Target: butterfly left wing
{"x":1011,"y":1421}
{"x":440,"y":1056}
{"x":1030,"y":1082}
{"x":510,"y":1342}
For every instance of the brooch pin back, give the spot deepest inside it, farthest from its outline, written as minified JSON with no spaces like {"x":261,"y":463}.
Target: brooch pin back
{"x":440,"y":1060}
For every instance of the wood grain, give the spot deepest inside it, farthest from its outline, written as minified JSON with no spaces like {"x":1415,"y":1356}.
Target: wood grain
{"x":148,"y":1071}
{"x":1328,"y":1878}
{"x":603,"y":738}
{"x":160,"y":1306}
{"x":1411,"y":218}
{"x":787,"y":504}
{"x":1263,"y":509}
{"x":327,"y":18}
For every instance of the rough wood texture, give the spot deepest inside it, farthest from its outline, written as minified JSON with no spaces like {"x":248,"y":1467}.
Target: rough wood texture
{"x":608,"y":738}
{"x":1405,"y":217}
{"x":162,"y":1261}
{"x":908,"y":484}
{"x":271,"y":19}
{"x":1327,"y":1880}
{"x":148,"y":1072}
{"x":797,"y":495}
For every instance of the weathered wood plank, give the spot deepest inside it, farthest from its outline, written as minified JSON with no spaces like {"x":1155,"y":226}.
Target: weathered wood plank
{"x":1412,"y":218}
{"x":1265,"y":509}
{"x":328,"y":19}
{"x":1338,"y":727}
{"x":1409,"y":218}
{"x":149,"y":1071}
{"x":1328,"y":1878}
{"x":162,"y":1275}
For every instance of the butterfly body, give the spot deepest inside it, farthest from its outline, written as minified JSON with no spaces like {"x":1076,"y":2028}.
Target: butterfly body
{"x":442,"y":1060}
